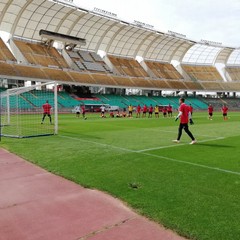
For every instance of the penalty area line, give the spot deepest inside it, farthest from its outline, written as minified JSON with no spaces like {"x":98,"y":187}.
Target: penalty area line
{"x":192,"y":164}
{"x":177,"y":145}
{"x":100,"y":144}
{"x":160,"y":157}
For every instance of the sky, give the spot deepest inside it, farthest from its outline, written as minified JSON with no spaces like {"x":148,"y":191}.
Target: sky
{"x":212,"y":20}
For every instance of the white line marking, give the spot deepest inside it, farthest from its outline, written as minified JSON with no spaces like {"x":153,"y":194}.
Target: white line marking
{"x":193,"y":164}
{"x":177,"y":144}
{"x":157,"y":156}
{"x":100,"y":144}
{"x":175,"y":133}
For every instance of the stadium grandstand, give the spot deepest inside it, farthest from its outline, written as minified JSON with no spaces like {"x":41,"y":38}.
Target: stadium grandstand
{"x":98,"y":53}
{"x":62,"y":64}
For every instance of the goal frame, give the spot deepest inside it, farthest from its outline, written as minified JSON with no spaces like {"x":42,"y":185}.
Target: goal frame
{"x":7,"y":113}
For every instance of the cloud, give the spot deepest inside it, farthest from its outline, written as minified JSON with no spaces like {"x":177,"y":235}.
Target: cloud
{"x":215,"y":20}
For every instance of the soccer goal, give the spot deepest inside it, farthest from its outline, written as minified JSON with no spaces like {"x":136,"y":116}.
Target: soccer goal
{"x":22,"y":110}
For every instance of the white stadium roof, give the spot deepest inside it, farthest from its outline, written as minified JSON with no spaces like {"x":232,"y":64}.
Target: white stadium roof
{"x":25,"y":18}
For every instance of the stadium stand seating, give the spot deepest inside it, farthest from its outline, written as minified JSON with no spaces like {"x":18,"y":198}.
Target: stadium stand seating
{"x":5,"y":54}
{"x":163,"y":70}
{"x":196,"y":103}
{"x":89,"y":61}
{"x":168,"y":100}
{"x":56,"y":74}
{"x":112,"y":100}
{"x":141,"y":82}
{"x":217,"y":103}
{"x":127,"y":66}
{"x":145,"y":100}
{"x":39,"y":54}
{"x":202,"y":73}
{"x":7,"y":69}
{"x":123,"y":81}
{"x":103,"y":79}
{"x":30,"y":71}
{"x":234,"y":72}
{"x":84,"y":78}
{"x":231,"y":86}
{"x":193,"y":85}
{"x":214,"y":86}
{"x":177,"y":84}
{"x":47,"y":63}
{"x":65,"y":100}
{"x":161,"y":84}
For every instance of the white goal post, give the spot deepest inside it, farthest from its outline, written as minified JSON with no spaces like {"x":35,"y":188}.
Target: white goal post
{"x":22,"y":113}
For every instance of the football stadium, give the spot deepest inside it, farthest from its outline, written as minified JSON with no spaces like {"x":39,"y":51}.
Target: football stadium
{"x":94,"y":99}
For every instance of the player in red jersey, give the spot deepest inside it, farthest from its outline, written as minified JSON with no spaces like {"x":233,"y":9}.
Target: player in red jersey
{"x":46,"y":111}
{"x":83,"y":111}
{"x":150,"y":111}
{"x":225,"y":112}
{"x":169,"y":110}
{"x":144,"y":110}
{"x":210,"y":111}
{"x":185,"y":117}
{"x":164,"y":111}
{"x":138,"y":111}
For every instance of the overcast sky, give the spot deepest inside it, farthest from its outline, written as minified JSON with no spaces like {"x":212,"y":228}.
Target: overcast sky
{"x":213,"y":20}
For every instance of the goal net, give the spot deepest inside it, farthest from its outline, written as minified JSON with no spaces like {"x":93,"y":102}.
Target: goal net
{"x":23,"y":112}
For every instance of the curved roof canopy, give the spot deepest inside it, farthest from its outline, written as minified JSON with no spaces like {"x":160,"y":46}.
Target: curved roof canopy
{"x":234,"y":58}
{"x":26,"y":18}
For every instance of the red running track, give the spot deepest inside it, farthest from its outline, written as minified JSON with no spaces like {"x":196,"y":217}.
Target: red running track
{"x":37,"y":205}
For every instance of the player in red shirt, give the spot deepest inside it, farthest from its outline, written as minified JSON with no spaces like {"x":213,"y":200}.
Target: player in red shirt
{"x":185,"y":117}
{"x":83,"y":111}
{"x":225,"y":111}
{"x":144,"y":110}
{"x":150,"y":111}
{"x":210,"y":111}
{"x":46,"y":111}
{"x":164,"y":111}
{"x":169,"y":110}
{"x":138,"y":111}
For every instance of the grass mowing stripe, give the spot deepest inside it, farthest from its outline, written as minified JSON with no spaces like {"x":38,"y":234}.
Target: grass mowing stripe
{"x":162,"y":157}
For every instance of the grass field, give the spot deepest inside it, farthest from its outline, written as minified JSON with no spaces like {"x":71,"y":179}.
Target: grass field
{"x":192,"y":189}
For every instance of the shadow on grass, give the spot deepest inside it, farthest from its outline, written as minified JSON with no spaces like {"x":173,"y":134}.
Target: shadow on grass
{"x":216,"y":145}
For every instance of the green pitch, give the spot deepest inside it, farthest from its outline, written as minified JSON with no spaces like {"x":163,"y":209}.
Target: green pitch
{"x":192,"y":189}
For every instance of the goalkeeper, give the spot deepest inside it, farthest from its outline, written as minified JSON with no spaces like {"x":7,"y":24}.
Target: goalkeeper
{"x":46,"y":111}
{"x":185,"y":116}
